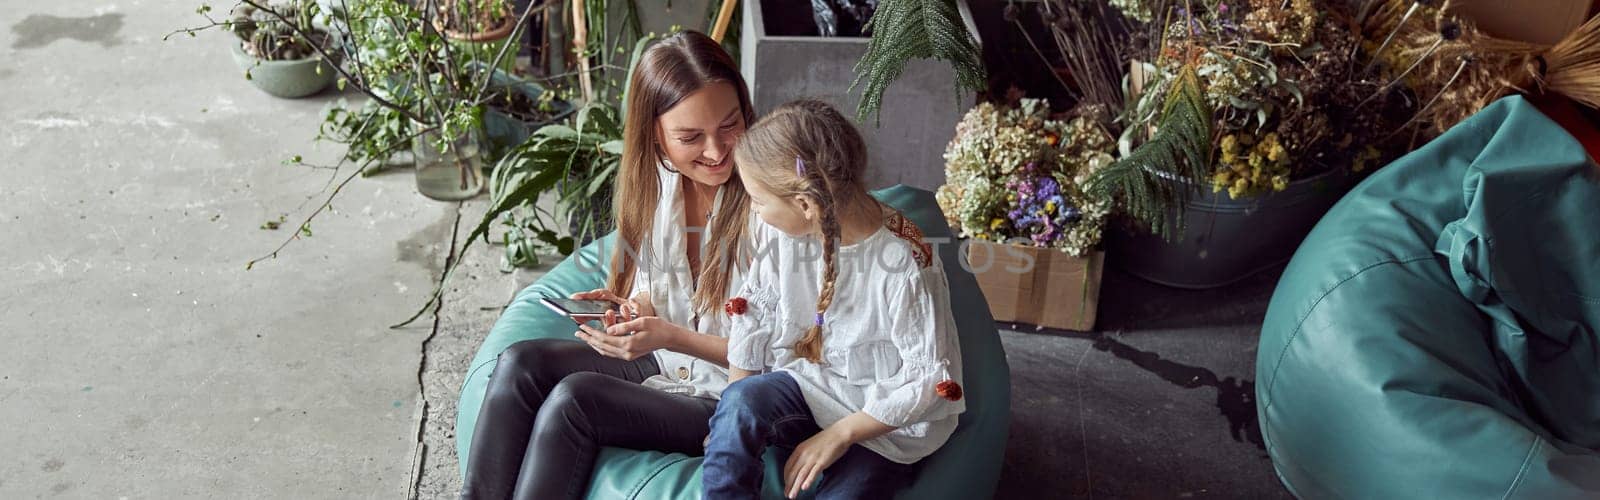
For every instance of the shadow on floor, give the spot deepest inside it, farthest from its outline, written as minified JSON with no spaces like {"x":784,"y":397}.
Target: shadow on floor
{"x":1236,"y":399}
{"x":1116,"y":413}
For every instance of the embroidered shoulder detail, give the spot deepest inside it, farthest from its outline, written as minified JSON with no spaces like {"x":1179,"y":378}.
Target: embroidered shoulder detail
{"x":908,"y":231}
{"x":758,"y":302}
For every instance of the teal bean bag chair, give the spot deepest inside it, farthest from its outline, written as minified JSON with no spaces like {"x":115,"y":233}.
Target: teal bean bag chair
{"x":966,"y":468}
{"x":1435,"y":334}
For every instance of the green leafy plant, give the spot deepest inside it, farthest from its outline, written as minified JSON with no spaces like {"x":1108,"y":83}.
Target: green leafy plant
{"x":588,"y":153}
{"x":577,"y":163}
{"x":903,"y":30}
{"x":422,"y":80}
{"x":1158,"y":175}
{"x":599,"y":75}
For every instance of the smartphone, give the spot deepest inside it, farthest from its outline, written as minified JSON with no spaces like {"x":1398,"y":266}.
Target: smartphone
{"x":578,"y":309}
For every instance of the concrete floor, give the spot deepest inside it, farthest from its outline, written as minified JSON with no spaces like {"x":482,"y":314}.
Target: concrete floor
{"x":140,"y":358}
{"x":1158,"y":403}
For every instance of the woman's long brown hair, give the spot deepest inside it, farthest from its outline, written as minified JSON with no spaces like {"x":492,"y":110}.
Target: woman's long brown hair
{"x":668,"y":72}
{"x":835,"y":157}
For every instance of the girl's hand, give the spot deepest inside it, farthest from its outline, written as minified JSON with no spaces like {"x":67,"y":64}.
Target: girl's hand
{"x":812,"y":457}
{"x":638,"y":306}
{"x":822,"y":450}
{"x":647,"y":334}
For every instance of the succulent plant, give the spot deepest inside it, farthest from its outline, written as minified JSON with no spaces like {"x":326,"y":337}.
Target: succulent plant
{"x":266,"y":36}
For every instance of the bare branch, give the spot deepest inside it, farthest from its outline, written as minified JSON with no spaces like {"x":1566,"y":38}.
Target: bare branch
{"x":326,"y":203}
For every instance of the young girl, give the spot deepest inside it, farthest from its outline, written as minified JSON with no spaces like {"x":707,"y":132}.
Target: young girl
{"x":846,"y":310}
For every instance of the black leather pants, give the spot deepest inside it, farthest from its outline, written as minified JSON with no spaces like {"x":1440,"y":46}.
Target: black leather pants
{"x":552,"y":404}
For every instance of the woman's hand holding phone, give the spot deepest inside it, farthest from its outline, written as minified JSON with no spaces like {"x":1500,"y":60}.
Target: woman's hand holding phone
{"x":625,"y":336}
{"x":632,"y":339}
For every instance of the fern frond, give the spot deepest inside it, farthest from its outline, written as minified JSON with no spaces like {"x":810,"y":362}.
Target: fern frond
{"x":903,"y":30}
{"x":1154,"y":181}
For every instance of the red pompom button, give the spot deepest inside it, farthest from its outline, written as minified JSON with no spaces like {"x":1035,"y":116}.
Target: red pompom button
{"x":737,"y":306}
{"x":948,"y":389}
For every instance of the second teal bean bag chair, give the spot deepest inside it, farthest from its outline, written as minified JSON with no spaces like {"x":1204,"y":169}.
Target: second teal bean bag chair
{"x":966,"y":468}
{"x":1436,"y":335}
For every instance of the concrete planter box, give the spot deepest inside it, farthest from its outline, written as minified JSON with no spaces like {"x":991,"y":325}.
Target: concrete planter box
{"x":920,"y":109}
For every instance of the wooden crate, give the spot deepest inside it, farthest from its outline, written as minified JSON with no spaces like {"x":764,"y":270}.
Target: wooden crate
{"x":1535,"y":21}
{"x":1037,"y":286}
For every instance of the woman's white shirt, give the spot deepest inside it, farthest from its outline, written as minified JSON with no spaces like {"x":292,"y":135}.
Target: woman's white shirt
{"x":663,"y":271}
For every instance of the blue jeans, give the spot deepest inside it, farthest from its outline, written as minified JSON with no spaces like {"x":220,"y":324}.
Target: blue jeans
{"x":769,"y":410}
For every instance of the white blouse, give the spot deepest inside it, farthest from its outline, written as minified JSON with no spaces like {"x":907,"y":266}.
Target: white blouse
{"x":663,"y":270}
{"x":888,"y":338}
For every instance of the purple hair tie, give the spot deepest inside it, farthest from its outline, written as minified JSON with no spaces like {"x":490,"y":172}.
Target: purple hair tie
{"x":819,"y":319}
{"x":799,"y":166}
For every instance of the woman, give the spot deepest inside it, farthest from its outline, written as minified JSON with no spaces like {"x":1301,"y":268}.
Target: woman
{"x":649,"y":383}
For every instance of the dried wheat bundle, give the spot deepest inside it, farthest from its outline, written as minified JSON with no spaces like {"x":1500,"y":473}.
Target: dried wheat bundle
{"x":1455,"y":69}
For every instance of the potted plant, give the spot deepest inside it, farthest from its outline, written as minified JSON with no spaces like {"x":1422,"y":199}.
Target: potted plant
{"x":278,"y":59}
{"x":515,"y":107}
{"x":1016,"y":191}
{"x":1242,"y":130}
{"x":477,"y":28}
{"x":474,"y":20}
{"x":576,"y":162}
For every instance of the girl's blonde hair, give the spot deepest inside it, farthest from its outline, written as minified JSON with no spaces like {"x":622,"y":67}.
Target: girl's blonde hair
{"x":807,"y":147}
{"x":665,"y":74}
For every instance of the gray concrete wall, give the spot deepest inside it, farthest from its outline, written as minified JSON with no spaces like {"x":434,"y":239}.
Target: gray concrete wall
{"x":919,"y":114}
